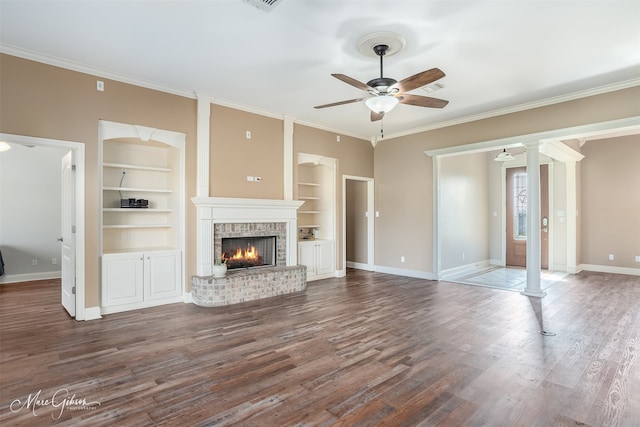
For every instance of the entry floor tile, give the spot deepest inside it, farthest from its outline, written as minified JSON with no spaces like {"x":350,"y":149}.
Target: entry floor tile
{"x":509,"y":278}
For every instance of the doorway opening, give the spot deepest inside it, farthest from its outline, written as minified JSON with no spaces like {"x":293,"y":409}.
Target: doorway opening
{"x":75,"y":279}
{"x":358,"y":222}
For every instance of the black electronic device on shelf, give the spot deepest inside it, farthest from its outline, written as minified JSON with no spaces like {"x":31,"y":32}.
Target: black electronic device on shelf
{"x":134,"y":203}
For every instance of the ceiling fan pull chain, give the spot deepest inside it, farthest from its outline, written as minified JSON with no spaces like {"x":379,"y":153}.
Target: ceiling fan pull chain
{"x":382,"y":129}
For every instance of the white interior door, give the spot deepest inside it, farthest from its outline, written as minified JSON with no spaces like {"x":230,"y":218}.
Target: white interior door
{"x":68,"y":239}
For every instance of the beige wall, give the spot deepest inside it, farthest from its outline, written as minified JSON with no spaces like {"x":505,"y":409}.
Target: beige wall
{"x":464,"y":204}
{"x":610,"y":205}
{"x":356,"y":221}
{"x":49,"y":102}
{"x":233,"y":157}
{"x":355,"y":157}
{"x":404,"y":178}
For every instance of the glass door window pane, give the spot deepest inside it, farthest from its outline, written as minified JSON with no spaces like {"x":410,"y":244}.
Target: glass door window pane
{"x":520,"y":206}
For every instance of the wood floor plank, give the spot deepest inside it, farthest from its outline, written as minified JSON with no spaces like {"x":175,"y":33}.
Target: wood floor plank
{"x":365,"y":350}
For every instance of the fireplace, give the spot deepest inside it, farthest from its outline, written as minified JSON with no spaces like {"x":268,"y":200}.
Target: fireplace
{"x":249,"y":252}
{"x":219,"y":219}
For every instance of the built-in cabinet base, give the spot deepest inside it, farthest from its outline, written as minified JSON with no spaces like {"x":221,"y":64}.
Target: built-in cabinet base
{"x":132,"y":280}
{"x":318,"y":256}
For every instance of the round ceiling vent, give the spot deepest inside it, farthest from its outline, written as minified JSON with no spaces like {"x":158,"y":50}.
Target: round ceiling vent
{"x":394,"y":40}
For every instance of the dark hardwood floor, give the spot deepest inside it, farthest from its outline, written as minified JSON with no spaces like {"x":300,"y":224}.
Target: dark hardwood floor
{"x":368,"y":349}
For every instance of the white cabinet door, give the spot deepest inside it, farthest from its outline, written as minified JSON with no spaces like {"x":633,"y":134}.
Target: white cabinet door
{"x":318,"y":256}
{"x":324,"y":257}
{"x":307,"y":256}
{"x":122,"y":279}
{"x":162,"y":275}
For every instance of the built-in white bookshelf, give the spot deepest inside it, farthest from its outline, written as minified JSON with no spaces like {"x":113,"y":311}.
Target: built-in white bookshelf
{"x":139,"y":170}
{"x":142,"y":244}
{"x":316,"y":187}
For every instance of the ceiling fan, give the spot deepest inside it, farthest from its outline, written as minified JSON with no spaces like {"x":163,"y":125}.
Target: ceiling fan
{"x":387,"y":93}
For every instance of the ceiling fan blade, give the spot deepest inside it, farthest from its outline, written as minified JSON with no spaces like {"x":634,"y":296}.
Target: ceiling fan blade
{"x":421,"y":101}
{"x":419,"y":80}
{"x":352,"y":82}
{"x":376,"y":116}
{"x":333,"y":104}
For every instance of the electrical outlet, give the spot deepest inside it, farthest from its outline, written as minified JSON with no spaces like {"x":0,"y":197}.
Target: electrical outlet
{"x":54,"y":261}
{"x":637,"y":258}
{"x":250,"y":178}
{"x":611,"y":257}
{"x":401,"y":259}
{"x":248,"y":134}
{"x":34,"y":262}
{"x":463,"y":256}
{"x":100,"y":86}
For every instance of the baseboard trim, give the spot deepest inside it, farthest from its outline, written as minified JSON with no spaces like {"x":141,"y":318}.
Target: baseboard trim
{"x":609,"y":269}
{"x":30,"y":277}
{"x":464,"y":270}
{"x":405,"y":272}
{"x":139,"y":305}
{"x":89,"y":313}
{"x":188,"y":299}
{"x":358,"y":265}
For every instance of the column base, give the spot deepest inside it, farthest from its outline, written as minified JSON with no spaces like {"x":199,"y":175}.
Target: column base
{"x":533,"y":293}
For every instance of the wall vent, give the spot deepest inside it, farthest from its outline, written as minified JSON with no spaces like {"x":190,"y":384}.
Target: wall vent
{"x":265,"y":5}
{"x":434,"y":87}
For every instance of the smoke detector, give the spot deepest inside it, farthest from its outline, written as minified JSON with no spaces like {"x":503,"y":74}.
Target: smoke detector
{"x":264,"y":5}
{"x":394,"y":40}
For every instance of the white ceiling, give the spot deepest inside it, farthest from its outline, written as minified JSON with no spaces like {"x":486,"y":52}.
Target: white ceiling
{"x":497,"y":55}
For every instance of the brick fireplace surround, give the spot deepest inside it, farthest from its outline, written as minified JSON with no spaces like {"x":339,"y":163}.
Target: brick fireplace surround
{"x":228,"y":217}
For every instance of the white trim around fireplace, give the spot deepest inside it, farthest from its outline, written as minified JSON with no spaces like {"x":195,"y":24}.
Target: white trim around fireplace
{"x":225,"y":210}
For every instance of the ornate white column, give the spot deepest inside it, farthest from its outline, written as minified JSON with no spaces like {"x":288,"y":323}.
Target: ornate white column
{"x":203,"y":140}
{"x":533,"y":287}
{"x":572,"y":225}
{"x":288,"y":158}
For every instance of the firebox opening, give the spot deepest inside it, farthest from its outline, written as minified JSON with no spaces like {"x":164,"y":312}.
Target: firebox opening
{"x":247,"y":252}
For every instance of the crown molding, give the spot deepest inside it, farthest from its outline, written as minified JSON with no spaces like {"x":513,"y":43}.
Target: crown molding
{"x":75,"y":66}
{"x":328,"y":129}
{"x":105,"y":74}
{"x":522,"y":107}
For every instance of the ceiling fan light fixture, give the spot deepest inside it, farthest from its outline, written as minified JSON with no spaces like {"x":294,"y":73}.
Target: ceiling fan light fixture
{"x":381,"y":104}
{"x":504,"y":156}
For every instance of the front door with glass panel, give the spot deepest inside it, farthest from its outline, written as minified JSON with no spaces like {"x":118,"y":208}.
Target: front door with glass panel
{"x":516,"y":211}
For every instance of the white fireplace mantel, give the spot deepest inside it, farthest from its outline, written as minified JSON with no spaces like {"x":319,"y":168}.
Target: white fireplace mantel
{"x":225,"y":210}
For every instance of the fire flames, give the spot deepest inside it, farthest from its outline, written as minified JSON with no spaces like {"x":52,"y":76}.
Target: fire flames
{"x":249,"y":253}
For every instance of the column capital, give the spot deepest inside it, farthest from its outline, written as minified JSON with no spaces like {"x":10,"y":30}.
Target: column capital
{"x":204,"y":104}
{"x":532,"y":144}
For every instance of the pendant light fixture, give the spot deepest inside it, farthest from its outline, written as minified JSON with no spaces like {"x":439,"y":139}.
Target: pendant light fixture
{"x":504,"y":156}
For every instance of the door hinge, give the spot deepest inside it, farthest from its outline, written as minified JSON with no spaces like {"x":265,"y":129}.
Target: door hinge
{"x":73,"y":228}
{"x":73,"y":168}
{"x":73,"y":290}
